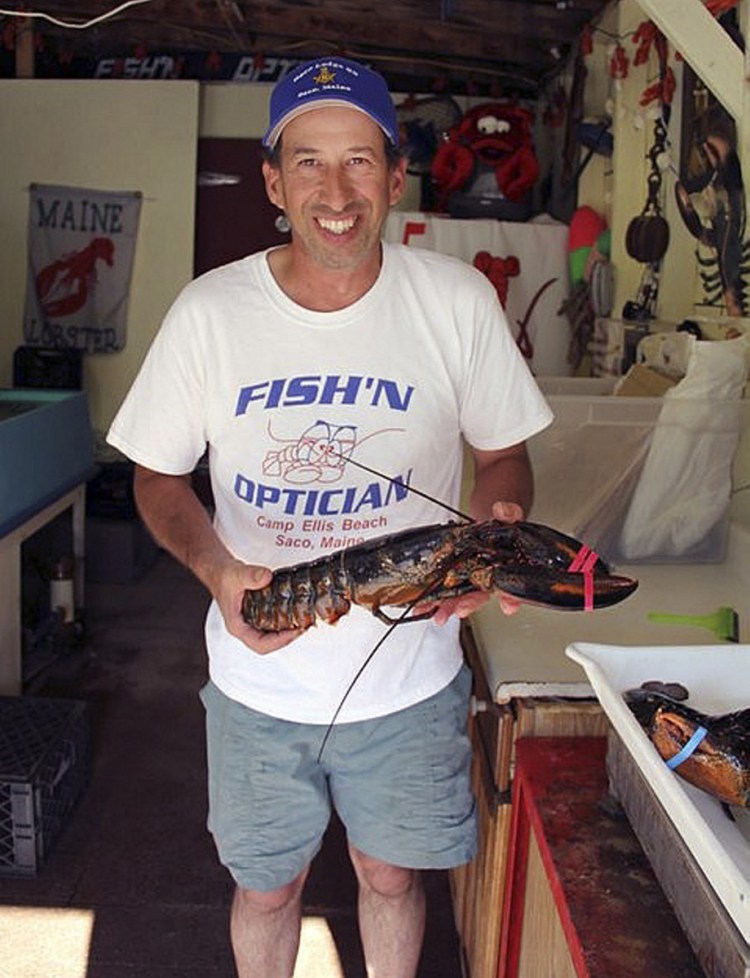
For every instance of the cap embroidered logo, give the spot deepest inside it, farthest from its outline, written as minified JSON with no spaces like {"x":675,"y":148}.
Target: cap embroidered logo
{"x":331,"y":81}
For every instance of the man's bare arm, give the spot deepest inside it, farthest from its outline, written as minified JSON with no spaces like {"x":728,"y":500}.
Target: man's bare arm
{"x":502,"y":476}
{"x":180,"y":523}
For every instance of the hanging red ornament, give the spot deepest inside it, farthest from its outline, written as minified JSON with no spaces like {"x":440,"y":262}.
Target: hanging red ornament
{"x":661,"y":91}
{"x":719,"y":7}
{"x":213,"y":62}
{"x":587,"y":40}
{"x":619,"y":63}
{"x":643,"y":36}
{"x":648,"y":36}
{"x":259,"y":61}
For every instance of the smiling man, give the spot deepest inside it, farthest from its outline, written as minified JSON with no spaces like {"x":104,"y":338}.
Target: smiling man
{"x":327,"y":377}
{"x":334,"y":180}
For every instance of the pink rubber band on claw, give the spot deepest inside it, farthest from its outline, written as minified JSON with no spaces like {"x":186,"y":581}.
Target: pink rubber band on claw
{"x":584,"y":563}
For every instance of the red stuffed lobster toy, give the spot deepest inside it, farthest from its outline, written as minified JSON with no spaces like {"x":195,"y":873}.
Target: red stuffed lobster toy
{"x":493,"y":135}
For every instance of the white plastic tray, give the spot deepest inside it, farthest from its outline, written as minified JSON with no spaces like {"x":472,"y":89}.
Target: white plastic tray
{"x":718,"y":679}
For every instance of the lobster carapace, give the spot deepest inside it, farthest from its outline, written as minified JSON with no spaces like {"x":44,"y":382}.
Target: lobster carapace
{"x":711,"y":752}
{"x":528,"y":560}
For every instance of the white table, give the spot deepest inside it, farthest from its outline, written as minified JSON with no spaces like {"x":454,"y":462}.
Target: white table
{"x":524,"y":655}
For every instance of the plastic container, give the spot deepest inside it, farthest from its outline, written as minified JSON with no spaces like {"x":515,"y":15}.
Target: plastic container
{"x":718,"y":680}
{"x":45,"y":447}
{"x":589,"y":464}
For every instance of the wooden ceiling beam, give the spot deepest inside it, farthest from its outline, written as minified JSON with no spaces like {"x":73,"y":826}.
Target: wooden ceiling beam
{"x":385,"y":31}
{"x":512,"y":38}
{"x":457,"y":45}
{"x":511,"y":24}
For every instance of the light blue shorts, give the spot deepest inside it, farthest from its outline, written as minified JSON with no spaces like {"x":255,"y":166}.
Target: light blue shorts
{"x":400,"y":784}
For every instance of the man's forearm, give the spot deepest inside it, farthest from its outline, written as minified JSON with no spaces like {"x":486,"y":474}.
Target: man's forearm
{"x":503,"y":476}
{"x":179,"y":522}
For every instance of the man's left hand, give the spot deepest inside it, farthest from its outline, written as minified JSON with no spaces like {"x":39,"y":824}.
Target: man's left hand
{"x":467,"y":604}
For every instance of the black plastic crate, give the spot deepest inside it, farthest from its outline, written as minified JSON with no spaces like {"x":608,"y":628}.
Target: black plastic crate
{"x":45,"y":762}
{"x":44,"y":367}
{"x":110,"y":492}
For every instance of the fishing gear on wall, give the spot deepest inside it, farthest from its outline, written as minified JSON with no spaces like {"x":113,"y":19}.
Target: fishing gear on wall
{"x":647,"y":235}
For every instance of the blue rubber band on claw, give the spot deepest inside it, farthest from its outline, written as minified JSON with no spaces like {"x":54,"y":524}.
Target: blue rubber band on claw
{"x":688,"y":749}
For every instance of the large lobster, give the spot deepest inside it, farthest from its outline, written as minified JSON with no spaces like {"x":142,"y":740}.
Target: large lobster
{"x":528,"y":560}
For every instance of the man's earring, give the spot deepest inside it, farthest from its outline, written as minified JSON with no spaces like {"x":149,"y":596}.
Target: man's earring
{"x":282,"y":224}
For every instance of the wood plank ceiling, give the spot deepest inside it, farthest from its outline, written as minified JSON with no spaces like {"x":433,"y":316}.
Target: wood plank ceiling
{"x":421,"y":45}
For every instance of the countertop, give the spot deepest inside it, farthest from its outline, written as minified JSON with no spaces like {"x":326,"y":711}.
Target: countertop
{"x":524,"y":654}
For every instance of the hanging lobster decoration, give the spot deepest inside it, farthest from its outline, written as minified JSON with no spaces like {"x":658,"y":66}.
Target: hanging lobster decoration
{"x":711,"y":201}
{"x":493,"y":136}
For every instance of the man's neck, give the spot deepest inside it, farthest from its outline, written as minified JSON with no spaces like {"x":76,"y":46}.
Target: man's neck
{"x":321,"y":289}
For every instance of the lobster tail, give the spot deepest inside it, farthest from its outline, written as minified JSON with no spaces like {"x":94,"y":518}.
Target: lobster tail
{"x":296,"y":598}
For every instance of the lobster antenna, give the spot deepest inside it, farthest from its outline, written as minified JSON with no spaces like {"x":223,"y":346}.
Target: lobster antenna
{"x":404,"y":613}
{"x":357,"y":674}
{"x":417,"y":492}
{"x":420,"y":597}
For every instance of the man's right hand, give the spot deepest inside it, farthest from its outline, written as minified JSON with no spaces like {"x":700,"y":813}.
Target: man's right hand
{"x":236,"y":578}
{"x":180,"y":523}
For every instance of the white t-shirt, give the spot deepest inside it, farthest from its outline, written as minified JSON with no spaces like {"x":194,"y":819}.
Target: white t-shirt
{"x":287,"y":400}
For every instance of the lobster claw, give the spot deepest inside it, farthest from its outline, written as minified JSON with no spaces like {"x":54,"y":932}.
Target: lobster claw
{"x":711,"y":752}
{"x":550,"y":568}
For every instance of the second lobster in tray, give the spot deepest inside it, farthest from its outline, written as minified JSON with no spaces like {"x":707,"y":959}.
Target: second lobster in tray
{"x":527,"y":560}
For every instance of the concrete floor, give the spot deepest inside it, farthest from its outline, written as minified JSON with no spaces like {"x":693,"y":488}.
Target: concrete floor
{"x":132,"y":888}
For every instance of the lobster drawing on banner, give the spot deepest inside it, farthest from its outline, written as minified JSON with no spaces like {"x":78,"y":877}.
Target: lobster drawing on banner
{"x":63,"y":286}
{"x":500,"y":271}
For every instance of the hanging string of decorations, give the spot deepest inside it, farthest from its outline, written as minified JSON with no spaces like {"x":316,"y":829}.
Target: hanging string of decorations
{"x":646,"y":37}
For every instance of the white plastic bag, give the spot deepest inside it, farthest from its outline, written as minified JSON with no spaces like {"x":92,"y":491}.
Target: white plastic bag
{"x":682,"y":496}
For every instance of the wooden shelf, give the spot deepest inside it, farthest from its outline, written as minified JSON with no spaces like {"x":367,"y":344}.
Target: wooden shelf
{"x":495,"y":729}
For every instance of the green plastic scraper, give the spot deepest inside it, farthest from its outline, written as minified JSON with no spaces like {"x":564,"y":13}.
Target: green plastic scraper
{"x":724,"y":622}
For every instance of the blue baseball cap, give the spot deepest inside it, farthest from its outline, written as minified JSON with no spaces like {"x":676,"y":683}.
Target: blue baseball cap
{"x":331,"y":81}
